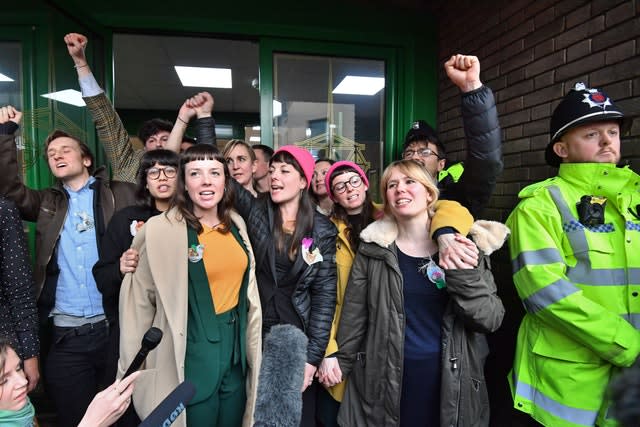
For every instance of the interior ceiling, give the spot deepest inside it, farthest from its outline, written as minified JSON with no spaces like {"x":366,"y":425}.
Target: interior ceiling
{"x":146,"y":80}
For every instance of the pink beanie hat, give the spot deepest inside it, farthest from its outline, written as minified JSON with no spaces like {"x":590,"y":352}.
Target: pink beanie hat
{"x":342,"y":164}
{"x":304,"y":159}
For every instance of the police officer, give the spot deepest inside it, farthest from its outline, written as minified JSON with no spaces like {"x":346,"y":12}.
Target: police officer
{"x":574,"y":249}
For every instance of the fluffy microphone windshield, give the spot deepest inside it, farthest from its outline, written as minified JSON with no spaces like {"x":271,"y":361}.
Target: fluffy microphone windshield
{"x":279,"y":401}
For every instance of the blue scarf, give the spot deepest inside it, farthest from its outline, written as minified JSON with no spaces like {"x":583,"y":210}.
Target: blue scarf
{"x":20,"y":418}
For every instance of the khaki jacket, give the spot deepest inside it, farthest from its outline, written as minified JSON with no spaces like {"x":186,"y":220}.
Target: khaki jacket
{"x":157,"y":295}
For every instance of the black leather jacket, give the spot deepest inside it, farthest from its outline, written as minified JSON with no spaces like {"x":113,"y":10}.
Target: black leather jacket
{"x":314,"y":297}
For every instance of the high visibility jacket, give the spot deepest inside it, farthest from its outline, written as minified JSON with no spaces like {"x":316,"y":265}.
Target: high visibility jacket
{"x":580,"y":286}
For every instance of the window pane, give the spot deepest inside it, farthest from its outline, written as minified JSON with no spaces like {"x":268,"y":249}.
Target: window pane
{"x":11,"y":86}
{"x":312,"y":108}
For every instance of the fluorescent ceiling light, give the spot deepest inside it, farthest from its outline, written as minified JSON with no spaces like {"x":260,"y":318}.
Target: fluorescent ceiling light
{"x":4,"y":78}
{"x":254,"y":139}
{"x":358,"y":85}
{"x":68,"y":96}
{"x":277,"y":108}
{"x":256,"y":128}
{"x":204,"y":77}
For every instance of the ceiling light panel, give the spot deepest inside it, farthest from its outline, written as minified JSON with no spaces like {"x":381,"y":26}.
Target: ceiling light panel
{"x":68,"y":96}
{"x":5,"y":78}
{"x":204,"y":77}
{"x":358,"y":85}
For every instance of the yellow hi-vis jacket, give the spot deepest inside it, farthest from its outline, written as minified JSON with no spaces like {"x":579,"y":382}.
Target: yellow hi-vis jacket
{"x":581,"y":289}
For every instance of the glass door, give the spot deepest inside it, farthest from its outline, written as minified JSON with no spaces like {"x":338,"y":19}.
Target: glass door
{"x":334,"y":100}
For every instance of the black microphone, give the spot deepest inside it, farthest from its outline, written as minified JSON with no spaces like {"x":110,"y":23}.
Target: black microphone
{"x":171,"y":407}
{"x":279,"y":399}
{"x":150,"y":341}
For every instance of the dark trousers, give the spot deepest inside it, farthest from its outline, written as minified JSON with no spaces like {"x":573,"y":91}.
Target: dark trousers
{"x":75,"y":369}
{"x":326,"y":408}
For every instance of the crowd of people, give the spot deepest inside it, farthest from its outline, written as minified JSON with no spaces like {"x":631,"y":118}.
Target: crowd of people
{"x":395,"y":299}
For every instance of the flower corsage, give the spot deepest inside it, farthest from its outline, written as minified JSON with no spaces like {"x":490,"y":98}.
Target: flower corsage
{"x":310,"y":257}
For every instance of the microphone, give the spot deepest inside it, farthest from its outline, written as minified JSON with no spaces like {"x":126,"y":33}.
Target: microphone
{"x":150,"y":341}
{"x":279,"y":399}
{"x":171,"y":407}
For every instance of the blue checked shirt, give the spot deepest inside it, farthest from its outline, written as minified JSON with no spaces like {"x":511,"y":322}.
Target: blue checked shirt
{"x":76,"y":292}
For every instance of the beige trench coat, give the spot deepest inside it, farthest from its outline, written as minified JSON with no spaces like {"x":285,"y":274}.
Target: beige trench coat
{"x":156,"y":295}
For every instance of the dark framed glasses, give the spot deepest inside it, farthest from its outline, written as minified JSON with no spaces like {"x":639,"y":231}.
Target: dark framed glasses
{"x":424,"y":153}
{"x":355,"y":181}
{"x":168,"y":171}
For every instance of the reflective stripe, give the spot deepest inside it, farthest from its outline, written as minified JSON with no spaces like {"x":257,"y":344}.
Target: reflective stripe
{"x":577,"y":238}
{"x":604,"y":276}
{"x":548,"y":295}
{"x":539,"y":257}
{"x":633,"y":318}
{"x":567,"y":413}
{"x":632,"y":226}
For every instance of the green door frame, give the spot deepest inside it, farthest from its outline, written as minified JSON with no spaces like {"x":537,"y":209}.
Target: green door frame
{"x":269,"y":46}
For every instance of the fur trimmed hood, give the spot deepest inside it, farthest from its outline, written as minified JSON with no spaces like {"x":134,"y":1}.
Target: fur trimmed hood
{"x":489,"y":236}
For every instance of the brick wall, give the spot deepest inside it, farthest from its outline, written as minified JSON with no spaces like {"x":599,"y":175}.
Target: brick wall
{"x":531,"y":54}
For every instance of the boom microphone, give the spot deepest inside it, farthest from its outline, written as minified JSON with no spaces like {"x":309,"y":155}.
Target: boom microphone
{"x":279,"y":400}
{"x":150,"y":341}
{"x":171,"y":407}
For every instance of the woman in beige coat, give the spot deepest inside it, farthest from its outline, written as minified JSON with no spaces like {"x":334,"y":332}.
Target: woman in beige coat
{"x":196,"y":282}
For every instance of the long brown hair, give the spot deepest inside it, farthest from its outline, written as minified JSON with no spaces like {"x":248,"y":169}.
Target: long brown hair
{"x":184,"y":204}
{"x":304,"y":217}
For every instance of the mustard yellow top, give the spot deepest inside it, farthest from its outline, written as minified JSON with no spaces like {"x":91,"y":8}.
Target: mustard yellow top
{"x":225,"y":263}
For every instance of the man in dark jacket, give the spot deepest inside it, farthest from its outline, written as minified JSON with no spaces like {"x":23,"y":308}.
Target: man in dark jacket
{"x":483,"y":164}
{"x":71,"y":219}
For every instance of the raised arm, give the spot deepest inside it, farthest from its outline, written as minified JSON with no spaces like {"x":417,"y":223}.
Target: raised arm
{"x":11,"y":186}
{"x":483,"y":136}
{"x":124,"y":159}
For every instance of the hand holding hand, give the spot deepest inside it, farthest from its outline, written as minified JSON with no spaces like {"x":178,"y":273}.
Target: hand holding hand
{"x":76,"y":43}
{"x":457,"y":252}
{"x":109,"y":405}
{"x":464,"y":72}
{"x":309,"y":371}
{"x":9,"y":113}
{"x":202,"y":103}
{"x":129,"y":261}
{"x":329,"y":372}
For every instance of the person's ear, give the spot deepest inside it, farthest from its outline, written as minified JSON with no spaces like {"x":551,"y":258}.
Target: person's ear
{"x":441,"y":164}
{"x":560,"y":148}
{"x":86,"y":162}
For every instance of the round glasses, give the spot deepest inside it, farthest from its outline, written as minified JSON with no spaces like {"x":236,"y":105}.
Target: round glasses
{"x":355,"y":182}
{"x":424,"y":153}
{"x":169,"y":172}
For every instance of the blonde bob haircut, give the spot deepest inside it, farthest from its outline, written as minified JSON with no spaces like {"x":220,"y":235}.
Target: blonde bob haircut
{"x":413,"y":170}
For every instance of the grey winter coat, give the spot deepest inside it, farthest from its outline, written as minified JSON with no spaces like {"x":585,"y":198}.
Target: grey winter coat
{"x":371,"y":332}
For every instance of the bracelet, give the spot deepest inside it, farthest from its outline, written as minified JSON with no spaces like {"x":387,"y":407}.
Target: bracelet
{"x":186,"y":123}
{"x":80,"y":66}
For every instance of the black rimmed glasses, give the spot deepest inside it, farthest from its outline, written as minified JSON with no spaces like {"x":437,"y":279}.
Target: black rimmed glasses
{"x":169,"y":172}
{"x":355,"y":182}
{"x":424,"y":153}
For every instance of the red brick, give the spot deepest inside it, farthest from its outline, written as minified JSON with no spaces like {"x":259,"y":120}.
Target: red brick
{"x":544,"y":48}
{"x":544,"y":17}
{"x":616,"y":35}
{"x":512,"y":160}
{"x":579,"y":50}
{"x":620,"y":71}
{"x":580,"y":32}
{"x":546,"y":32}
{"x":578,"y":16}
{"x":537,"y":127}
{"x":541,"y":111}
{"x":620,"y":90}
{"x":591,"y":62}
{"x":515,"y":118}
{"x":618,"y":14}
{"x":544,"y":79}
{"x":516,"y":90}
{"x":600,"y":6}
{"x":620,"y":52}
{"x":513,"y":132}
{"x":544,"y":95}
{"x":544,"y":64}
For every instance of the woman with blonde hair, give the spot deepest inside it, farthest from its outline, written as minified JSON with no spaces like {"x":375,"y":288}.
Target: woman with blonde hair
{"x":242,"y":163}
{"x":411,"y":337}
